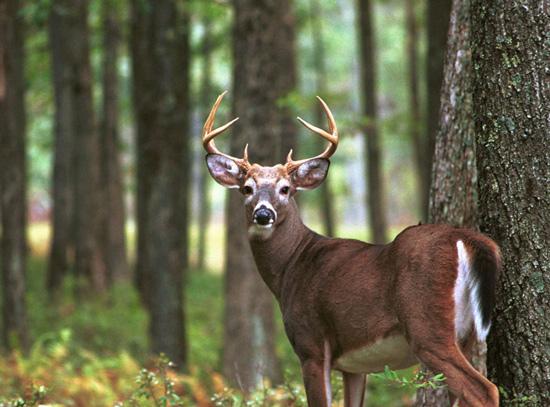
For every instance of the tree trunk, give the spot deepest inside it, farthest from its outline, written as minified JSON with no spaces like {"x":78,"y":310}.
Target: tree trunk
{"x":160,"y":51}
{"x":287,"y":77}
{"x":143,"y":112}
{"x":453,"y":197}
{"x":415,"y":133}
{"x":320,"y":85}
{"x":438,"y":13}
{"x":113,"y":233}
{"x":13,"y":176}
{"x":373,"y":159}
{"x":76,"y":214}
{"x":206,"y":98}
{"x":63,"y":205}
{"x":511,"y":93}
{"x":258,"y":83}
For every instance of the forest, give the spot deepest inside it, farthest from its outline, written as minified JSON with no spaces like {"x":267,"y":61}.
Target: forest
{"x":127,"y":277}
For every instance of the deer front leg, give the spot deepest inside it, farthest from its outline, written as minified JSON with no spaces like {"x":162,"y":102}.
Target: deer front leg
{"x":354,"y":389}
{"x":316,"y":374}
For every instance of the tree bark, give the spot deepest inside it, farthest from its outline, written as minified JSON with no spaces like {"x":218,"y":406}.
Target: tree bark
{"x":415,"y":134}
{"x":511,"y":93}
{"x":143,"y":102}
{"x":160,"y":53}
{"x":113,"y":216}
{"x":438,"y":13}
{"x":373,"y":159}
{"x":76,"y":192}
{"x":453,"y":196}
{"x":62,"y":246}
{"x":89,"y":258}
{"x":12,"y":177}
{"x":320,"y":85}
{"x":258,"y":83}
{"x":206,"y":98}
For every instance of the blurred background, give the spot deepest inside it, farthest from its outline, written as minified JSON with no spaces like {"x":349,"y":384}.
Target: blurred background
{"x":127,"y":246}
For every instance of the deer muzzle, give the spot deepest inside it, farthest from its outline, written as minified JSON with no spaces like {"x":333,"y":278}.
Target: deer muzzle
{"x":264,"y":215}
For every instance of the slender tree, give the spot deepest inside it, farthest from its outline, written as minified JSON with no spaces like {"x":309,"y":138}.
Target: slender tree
{"x":373,"y":159}
{"x":160,"y":61}
{"x":206,"y":97}
{"x":288,"y":77}
{"x":12,"y":177}
{"x":438,"y":15}
{"x":415,"y":133}
{"x":62,"y":241}
{"x":89,"y":256}
{"x":511,"y":95}
{"x":319,"y":63}
{"x":113,"y":219}
{"x":453,"y":196}
{"x":76,"y":170}
{"x":259,"y":82}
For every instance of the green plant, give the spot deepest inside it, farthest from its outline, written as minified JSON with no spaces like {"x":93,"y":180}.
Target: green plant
{"x":33,"y":397}
{"x":155,"y":388}
{"x":418,"y":381}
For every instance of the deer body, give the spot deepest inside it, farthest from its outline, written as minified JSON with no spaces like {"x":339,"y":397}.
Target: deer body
{"x":357,"y":307}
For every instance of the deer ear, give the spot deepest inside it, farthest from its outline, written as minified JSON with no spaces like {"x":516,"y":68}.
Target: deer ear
{"x":310,"y":174}
{"x":224,"y":170}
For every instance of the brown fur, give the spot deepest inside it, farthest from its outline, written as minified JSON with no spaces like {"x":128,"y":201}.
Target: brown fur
{"x":339,"y":295}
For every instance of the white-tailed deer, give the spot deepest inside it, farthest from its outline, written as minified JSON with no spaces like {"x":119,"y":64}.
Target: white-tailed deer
{"x":357,"y":307}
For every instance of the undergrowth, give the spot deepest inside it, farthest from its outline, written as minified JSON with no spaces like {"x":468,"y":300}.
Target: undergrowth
{"x":94,"y":353}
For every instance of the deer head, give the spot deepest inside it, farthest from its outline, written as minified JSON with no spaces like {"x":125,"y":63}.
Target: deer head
{"x":267,"y":191}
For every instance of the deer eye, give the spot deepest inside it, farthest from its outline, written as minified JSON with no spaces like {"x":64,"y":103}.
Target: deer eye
{"x":284,"y":190}
{"x":247,"y":190}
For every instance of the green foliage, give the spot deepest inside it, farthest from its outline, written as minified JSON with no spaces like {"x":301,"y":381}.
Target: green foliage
{"x":515,"y":400}
{"x":418,"y":381}
{"x":155,"y":388}
{"x":33,"y":397}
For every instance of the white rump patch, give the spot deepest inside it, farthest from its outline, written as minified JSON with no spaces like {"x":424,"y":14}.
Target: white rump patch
{"x":466,"y":295}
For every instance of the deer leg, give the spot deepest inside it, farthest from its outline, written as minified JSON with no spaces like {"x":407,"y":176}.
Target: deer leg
{"x":354,"y":389}
{"x":316,"y":376}
{"x":466,"y":383}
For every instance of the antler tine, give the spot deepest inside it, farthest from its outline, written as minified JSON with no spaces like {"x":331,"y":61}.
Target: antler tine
{"x":208,"y":135}
{"x":331,"y":137}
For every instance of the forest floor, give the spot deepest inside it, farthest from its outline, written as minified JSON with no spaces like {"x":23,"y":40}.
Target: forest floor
{"x":94,"y":353}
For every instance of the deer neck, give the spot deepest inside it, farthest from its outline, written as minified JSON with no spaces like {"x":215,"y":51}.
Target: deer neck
{"x":274,"y":255}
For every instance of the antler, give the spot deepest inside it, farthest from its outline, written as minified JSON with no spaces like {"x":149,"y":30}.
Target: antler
{"x":208,"y":136}
{"x":331,"y":137}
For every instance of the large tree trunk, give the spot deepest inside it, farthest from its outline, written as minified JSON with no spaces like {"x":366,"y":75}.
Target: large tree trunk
{"x":62,"y":197}
{"x":258,"y":83}
{"x":438,"y":13}
{"x":415,"y":133}
{"x":511,"y":93}
{"x":113,"y":234}
{"x":206,"y":97}
{"x":453,"y":197}
{"x":161,"y":78}
{"x":373,"y":159}
{"x":12,"y":177}
{"x":320,"y":85}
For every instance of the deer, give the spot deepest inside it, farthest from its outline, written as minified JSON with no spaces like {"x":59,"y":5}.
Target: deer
{"x":356,"y":307}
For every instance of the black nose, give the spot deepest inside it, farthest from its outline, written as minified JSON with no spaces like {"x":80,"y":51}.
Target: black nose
{"x":264,"y":216}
